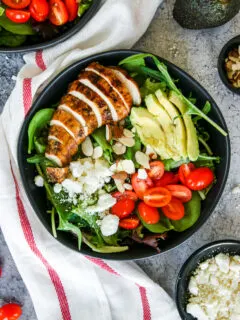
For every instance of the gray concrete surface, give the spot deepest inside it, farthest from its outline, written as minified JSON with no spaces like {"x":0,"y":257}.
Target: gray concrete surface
{"x":197,"y":53}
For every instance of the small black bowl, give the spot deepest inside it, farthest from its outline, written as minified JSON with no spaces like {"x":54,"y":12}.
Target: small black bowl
{"x":52,"y":94}
{"x":233,"y":43}
{"x":208,"y":251}
{"x":26,"y":47}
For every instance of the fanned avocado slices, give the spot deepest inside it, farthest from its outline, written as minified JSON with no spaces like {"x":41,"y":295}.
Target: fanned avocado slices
{"x":202,"y":14}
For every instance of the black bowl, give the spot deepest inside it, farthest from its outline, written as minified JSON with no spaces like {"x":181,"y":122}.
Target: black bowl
{"x":26,"y":47}
{"x":208,"y":251}
{"x":53,"y":93}
{"x":233,"y":43}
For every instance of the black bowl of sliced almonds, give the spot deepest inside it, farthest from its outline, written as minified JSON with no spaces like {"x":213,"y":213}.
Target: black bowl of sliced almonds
{"x":229,"y":65}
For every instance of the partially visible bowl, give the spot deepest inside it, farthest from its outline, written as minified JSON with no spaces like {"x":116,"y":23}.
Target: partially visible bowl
{"x":231,"y":44}
{"x":61,"y":38}
{"x":210,"y":250}
{"x":52,"y":94}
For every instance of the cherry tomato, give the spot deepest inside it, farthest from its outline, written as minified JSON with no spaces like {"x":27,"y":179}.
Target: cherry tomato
{"x":17,"y":4}
{"x":140,"y":186}
{"x":10,"y":311}
{"x":58,"y":14}
{"x":129,"y":223}
{"x":174,"y":210}
{"x":72,"y":8}
{"x":157,"y":197}
{"x":17,"y":16}
{"x":156,"y":170}
{"x":123,"y":208}
{"x":180,"y":192}
{"x":184,"y":171}
{"x":149,"y":214}
{"x":199,"y":178}
{"x":167,"y":178}
{"x":125,"y":195}
{"x":39,"y":10}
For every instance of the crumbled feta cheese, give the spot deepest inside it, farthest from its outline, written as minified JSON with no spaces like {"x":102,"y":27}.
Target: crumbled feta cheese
{"x":214,"y":289}
{"x":72,"y":187}
{"x":142,"y":174}
{"x":39,"y":181}
{"x":105,"y":202}
{"x":76,"y":169}
{"x":57,"y":188}
{"x":109,"y":225}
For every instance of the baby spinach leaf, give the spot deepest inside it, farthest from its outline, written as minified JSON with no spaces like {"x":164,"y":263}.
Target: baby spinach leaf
{"x":84,"y":6}
{"x":9,"y":39}
{"x":102,"y":249}
{"x":38,"y":122}
{"x":16,"y":28}
{"x":192,"y":213}
{"x":40,"y":146}
{"x":162,"y":226}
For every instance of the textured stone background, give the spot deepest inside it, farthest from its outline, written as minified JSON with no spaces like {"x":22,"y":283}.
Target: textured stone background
{"x":197,"y":53}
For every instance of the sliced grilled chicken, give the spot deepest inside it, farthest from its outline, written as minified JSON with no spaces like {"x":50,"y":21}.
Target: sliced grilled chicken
{"x":106,"y":92}
{"x":97,"y":98}
{"x":129,"y":83}
{"x":57,"y":174}
{"x":113,"y":80}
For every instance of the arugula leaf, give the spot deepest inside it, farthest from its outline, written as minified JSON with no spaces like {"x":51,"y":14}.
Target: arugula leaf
{"x":84,"y":6}
{"x":139,"y":60}
{"x":87,"y":239}
{"x":16,"y":28}
{"x":9,"y":39}
{"x":38,"y":122}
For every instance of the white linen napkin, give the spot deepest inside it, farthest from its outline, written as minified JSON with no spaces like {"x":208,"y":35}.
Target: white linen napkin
{"x":65,"y":284}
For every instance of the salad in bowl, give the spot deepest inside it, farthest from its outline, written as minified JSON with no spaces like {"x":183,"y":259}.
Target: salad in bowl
{"x":124,"y":156}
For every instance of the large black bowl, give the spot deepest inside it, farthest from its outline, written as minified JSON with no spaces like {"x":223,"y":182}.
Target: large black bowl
{"x":52,"y":94}
{"x":210,"y":250}
{"x":26,"y":47}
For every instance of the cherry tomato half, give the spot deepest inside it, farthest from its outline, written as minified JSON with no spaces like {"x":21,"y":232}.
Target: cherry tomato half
{"x":129,"y":223}
{"x":39,"y":10}
{"x":17,"y":16}
{"x":123,"y":208}
{"x":10,"y":311}
{"x":58,"y":14}
{"x":180,"y":192}
{"x":149,"y":214}
{"x":157,"y":197}
{"x":141,"y":186}
{"x":174,"y":210}
{"x":184,"y":171}
{"x":156,"y":170}
{"x":17,"y":4}
{"x":199,"y":178}
{"x":125,"y":195}
{"x":167,"y":178}
{"x":72,"y":8}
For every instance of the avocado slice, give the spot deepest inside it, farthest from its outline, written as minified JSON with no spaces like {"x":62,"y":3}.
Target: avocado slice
{"x":149,"y":131}
{"x":192,"y":139}
{"x":202,"y":14}
{"x":180,"y":131}
{"x":163,"y":118}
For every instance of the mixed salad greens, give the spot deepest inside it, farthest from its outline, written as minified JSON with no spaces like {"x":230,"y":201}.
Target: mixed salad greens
{"x":35,"y":21}
{"x":154,"y":169}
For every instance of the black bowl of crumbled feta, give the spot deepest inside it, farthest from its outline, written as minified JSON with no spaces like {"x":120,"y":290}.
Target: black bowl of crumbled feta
{"x":208,"y":285}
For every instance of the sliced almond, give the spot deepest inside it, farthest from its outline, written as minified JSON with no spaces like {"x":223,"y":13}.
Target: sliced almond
{"x":87,"y":147}
{"x":108,"y":133}
{"x":142,"y":159}
{"x":128,"y":142}
{"x":127,"y":133}
{"x":97,"y":152}
{"x":119,"y":185}
{"x":142,"y":174}
{"x":119,"y":148}
{"x":127,"y":186}
{"x":122,"y":175}
{"x":133,"y":130}
{"x":128,"y":166}
{"x":122,"y":122}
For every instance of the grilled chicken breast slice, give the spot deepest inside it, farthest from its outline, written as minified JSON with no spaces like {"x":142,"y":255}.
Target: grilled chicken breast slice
{"x":106,"y":92}
{"x":113,"y":80}
{"x":129,"y":83}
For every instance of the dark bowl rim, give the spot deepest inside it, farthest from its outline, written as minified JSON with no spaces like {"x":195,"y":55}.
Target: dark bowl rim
{"x":223,"y":54}
{"x":190,"y":231}
{"x":59,"y":39}
{"x":209,"y":246}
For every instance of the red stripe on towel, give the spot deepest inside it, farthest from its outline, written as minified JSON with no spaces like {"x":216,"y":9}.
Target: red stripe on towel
{"x":28,"y":233}
{"x":39,"y":60}
{"x":142,"y":290}
{"x":27,"y":94}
